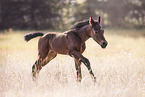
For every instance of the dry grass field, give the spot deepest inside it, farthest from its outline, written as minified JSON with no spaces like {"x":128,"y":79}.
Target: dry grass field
{"x":120,"y":68}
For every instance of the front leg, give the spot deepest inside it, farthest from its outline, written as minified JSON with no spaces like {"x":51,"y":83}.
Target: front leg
{"x":77,"y":55}
{"x":78,"y":70}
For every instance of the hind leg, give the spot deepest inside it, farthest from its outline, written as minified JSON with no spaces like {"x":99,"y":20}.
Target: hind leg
{"x":51,"y":55}
{"x":42,"y":62}
{"x":36,"y":68}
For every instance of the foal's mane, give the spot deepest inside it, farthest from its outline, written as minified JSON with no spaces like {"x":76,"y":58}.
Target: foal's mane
{"x":80,"y":24}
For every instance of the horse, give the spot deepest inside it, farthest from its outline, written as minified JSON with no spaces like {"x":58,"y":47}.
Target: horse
{"x":71,"y":42}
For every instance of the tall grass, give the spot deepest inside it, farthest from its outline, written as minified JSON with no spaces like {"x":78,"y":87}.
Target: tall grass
{"x":120,"y":68}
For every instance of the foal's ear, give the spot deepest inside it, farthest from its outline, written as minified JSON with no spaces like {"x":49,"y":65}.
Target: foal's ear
{"x":99,"y":19}
{"x":91,"y":21}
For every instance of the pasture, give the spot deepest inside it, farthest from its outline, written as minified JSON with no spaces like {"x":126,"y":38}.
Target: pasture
{"x":119,"y":69}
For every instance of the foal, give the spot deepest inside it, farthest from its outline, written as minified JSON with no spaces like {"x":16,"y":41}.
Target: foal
{"x":71,"y":43}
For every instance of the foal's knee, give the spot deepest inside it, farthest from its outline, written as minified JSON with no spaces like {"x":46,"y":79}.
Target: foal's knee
{"x":86,"y":62}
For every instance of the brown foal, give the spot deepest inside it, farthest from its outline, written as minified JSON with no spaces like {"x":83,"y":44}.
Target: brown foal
{"x":71,"y":43}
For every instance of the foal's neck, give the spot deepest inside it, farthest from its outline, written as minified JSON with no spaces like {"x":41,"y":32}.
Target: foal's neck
{"x":84,"y":33}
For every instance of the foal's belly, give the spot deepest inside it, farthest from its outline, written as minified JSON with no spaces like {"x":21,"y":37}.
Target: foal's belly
{"x":59,"y":44}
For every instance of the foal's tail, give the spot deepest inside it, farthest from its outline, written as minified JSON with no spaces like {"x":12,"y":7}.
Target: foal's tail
{"x":29,"y":36}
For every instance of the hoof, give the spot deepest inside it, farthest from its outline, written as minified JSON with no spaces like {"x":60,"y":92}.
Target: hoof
{"x":34,"y":76}
{"x":94,"y":79}
{"x":79,"y":79}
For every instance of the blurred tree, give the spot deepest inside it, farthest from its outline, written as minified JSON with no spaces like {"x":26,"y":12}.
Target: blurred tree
{"x":113,"y":11}
{"x":137,"y":12}
{"x":117,"y":11}
{"x":45,"y":14}
{"x":85,"y":10}
{"x":61,"y":14}
{"x":0,"y":15}
{"x":32,"y":14}
{"x":143,"y":12}
{"x":67,"y":14}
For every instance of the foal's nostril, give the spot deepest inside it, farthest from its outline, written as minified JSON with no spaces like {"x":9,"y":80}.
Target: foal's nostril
{"x":104,"y":44}
{"x":102,"y":31}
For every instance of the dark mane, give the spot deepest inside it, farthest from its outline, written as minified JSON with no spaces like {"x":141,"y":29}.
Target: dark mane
{"x":80,"y":24}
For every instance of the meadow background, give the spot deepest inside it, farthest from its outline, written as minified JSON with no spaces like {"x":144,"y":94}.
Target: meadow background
{"x":120,"y":68}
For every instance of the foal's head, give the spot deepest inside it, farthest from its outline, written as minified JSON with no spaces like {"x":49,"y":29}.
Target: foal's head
{"x":97,"y":32}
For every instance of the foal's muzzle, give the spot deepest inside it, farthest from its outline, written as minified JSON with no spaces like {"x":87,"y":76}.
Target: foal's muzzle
{"x":104,"y":44}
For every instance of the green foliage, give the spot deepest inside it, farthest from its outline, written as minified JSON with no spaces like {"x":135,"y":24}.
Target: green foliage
{"x":61,"y":14}
{"x":31,"y":14}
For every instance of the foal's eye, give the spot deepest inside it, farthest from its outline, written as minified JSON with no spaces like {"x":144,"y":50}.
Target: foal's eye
{"x":97,"y":28}
{"x":96,"y":31}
